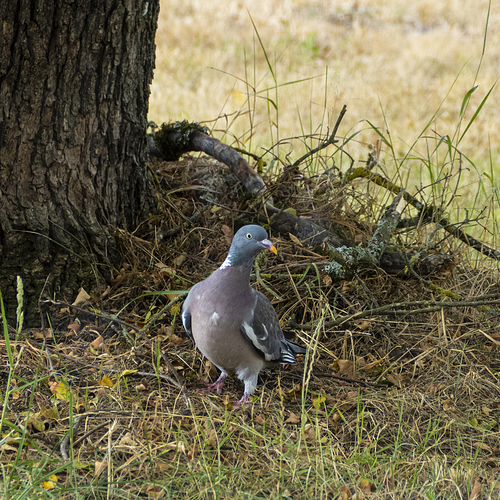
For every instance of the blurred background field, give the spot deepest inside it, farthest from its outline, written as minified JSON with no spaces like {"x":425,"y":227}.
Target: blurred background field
{"x":260,"y":72}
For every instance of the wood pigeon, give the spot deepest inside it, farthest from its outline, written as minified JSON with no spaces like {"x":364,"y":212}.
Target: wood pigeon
{"x":233,"y":325}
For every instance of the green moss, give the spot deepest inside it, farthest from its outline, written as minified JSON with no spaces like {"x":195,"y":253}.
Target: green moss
{"x":174,"y":139}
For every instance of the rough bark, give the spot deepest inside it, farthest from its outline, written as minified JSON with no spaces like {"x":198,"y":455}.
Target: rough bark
{"x":74,"y":89}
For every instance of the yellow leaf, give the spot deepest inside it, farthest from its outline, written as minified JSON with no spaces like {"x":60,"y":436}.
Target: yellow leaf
{"x":61,"y":390}
{"x":317,"y":402}
{"x":106,"y":382}
{"x":473,"y":421}
{"x":51,"y":413}
{"x":51,"y":484}
{"x":36,"y":420}
{"x":124,"y":373}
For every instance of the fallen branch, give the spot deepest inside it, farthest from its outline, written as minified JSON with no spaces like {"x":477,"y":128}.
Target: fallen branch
{"x":405,"y":308}
{"x":179,"y":138}
{"x":426,"y":212}
{"x":346,"y":260}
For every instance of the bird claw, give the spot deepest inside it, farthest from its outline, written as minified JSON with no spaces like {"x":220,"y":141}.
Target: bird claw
{"x":217,"y":385}
{"x":243,"y":400}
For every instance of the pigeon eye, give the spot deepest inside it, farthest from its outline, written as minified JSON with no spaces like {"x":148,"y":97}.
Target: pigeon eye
{"x":249,"y":236}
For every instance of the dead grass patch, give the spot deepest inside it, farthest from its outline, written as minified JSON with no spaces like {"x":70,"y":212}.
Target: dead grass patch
{"x":421,"y":419}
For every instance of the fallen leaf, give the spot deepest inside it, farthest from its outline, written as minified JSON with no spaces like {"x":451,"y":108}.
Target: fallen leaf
{"x":346,"y":367}
{"x":363,"y":325}
{"x":259,"y":420}
{"x":327,"y":280}
{"x":99,"y":467}
{"x":483,"y":447}
{"x":178,"y":261}
{"x":61,"y":390}
{"x":127,"y":440}
{"x":394,"y":379}
{"x":366,"y":486}
{"x":81,"y":298}
{"x":97,"y":343}
{"x":36,"y":420}
{"x":50,"y":413}
{"x":293,"y":419}
{"x":345,"y":493}
{"x":309,"y":432}
{"x":318,"y":402}
{"x":50,"y":484}
{"x":164,"y":269}
{"x":154,"y":492}
{"x":106,"y":382}
{"x":228,"y":234}
{"x":294,"y":393}
{"x":75,"y":326}
{"x":475,"y":494}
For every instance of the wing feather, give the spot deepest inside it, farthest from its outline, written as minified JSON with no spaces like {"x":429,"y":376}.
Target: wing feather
{"x":262,"y":328}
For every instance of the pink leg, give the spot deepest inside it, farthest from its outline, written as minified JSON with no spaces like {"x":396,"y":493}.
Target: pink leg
{"x":244,"y":399}
{"x":217,"y":384}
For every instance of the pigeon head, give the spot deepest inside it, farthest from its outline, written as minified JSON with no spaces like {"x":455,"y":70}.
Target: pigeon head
{"x":247,"y":243}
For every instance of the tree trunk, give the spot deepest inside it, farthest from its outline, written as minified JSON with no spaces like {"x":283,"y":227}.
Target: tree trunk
{"x":74,"y":89}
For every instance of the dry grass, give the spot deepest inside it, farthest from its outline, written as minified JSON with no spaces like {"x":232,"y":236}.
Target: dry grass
{"x":393,"y":61}
{"x":421,"y":421}
{"x":395,"y":64}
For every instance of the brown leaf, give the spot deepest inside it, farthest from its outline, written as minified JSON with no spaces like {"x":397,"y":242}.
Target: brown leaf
{"x":99,"y":467}
{"x":345,"y":493}
{"x":178,"y":261}
{"x":483,"y":446}
{"x":98,"y":344}
{"x":346,"y":367}
{"x":43,"y":334}
{"x":293,"y":419}
{"x":164,"y":270}
{"x":75,"y":326}
{"x":228,"y":234}
{"x":259,"y":420}
{"x":309,"y":432}
{"x":154,"y":492}
{"x":394,"y":379}
{"x":475,"y":494}
{"x":81,"y":298}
